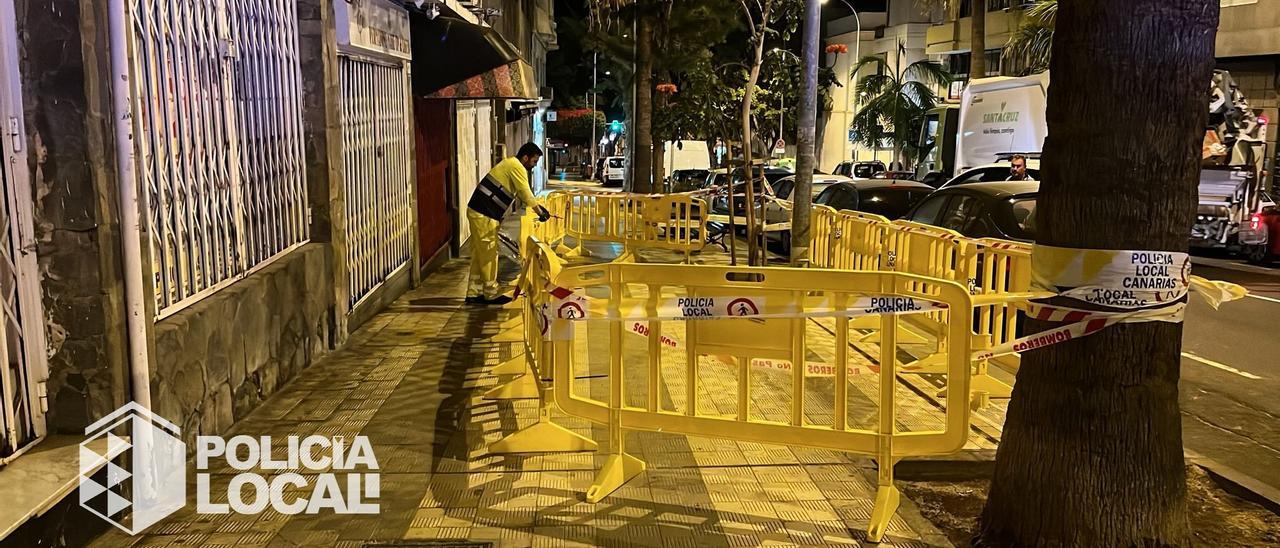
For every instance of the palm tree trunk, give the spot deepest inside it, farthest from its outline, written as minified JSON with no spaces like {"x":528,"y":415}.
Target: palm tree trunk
{"x":1091,"y":453}
{"x":978,"y":41}
{"x":642,"y":156}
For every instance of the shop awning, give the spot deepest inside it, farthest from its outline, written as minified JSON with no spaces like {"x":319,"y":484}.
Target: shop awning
{"x":449,"y":51}
{"x":513,"y":80}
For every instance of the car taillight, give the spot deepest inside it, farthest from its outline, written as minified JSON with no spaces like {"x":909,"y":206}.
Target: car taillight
{"x":1255,"y":221}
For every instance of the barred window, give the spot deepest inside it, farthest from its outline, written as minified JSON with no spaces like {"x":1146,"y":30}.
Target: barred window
{"x":218,"y":110}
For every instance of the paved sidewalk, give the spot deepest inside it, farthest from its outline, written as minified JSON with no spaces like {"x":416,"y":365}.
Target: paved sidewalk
{"x":411,"y":381}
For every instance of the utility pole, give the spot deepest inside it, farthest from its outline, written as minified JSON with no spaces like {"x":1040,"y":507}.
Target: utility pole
{"x":595,"y":145}
{"x":806,"y":129}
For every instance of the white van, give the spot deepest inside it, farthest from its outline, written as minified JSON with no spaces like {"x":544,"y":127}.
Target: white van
{"x":614,"y":171}
{"x":1001,"y":115}
{"x":685,"y":155}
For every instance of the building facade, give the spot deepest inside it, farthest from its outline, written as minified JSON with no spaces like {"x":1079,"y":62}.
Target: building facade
{"x":202,"y":199}
{"x":896,"y":35}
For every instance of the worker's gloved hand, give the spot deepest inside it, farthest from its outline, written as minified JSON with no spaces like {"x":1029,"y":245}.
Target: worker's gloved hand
{"x":543,"y":214}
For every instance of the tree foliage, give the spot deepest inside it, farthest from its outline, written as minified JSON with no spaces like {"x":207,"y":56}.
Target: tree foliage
{"x":897,"y":104}
{"x":573,"y":126}
{"x":1031,"y":43}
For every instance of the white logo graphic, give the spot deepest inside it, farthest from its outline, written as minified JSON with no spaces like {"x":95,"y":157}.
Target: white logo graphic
{"x":145,"y":468}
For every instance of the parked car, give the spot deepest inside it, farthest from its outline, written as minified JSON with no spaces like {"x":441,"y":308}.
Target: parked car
{"x":896,"y":175}
{"x":859,"y":170}
{"x":613,"y":173}
{"x":770,"y":174}
{"x":1005,"y":210}
{"x":890,"y":198}
{"x":1260,"y":239}
{"x":992,"y":173}
{"x":686,"y":180}
{"x":775,"y":212}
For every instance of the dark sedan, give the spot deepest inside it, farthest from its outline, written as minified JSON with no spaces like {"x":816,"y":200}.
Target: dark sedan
{"x":890,"y":198}
{"x":1005,"y":210}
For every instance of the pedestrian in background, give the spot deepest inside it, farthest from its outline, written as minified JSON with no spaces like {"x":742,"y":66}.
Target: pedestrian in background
{"x":493,"y":198}
{"x":1018,"y":169}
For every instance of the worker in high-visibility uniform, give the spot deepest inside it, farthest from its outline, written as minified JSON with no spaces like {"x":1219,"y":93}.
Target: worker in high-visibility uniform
{"x":492,"y":200}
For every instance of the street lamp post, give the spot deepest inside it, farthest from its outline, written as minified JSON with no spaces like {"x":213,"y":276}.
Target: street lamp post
{"x":595,"y":56}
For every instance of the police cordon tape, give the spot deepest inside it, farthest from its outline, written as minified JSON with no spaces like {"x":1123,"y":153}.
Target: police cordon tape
{"x":569,"y":305}
{"x":1127,"y":286}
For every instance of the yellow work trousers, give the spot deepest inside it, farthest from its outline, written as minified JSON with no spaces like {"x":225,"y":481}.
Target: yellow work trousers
{"x":483,"y":281}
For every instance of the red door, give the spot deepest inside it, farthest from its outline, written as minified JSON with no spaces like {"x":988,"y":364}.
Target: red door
{"x":433,"y":129}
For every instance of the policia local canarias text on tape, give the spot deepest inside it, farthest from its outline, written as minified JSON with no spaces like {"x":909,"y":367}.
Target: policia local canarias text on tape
{"x":1118,"y":286}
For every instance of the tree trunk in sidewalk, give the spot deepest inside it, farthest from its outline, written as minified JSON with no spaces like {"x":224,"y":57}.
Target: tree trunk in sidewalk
{"x":978,"y":41}
{"x":1091,"y":453}
{"x":806,"y":133}
{"x":642,"y":163}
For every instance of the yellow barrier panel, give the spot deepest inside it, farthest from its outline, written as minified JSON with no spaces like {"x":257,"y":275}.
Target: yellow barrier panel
{"x":858,"y":240}
{"x":533,"y":367}
{"x":1001,"y":269}
{"x":550,"y":232}
{"x":672,"y":222}
{"x":782,"y":302}
{"x":822,"y":225}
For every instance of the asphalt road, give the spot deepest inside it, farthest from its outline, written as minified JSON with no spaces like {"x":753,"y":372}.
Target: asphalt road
{"x":1230,"y":391}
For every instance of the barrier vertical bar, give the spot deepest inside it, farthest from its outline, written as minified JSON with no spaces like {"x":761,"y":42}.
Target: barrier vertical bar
{"x":798,"y":364}
{"x":886,"y":494}
{"x":619,"y":467}
{"x":655,"y":349}
{"x":691,"y":368}
{"x":840,"y":422}
{"x":744,"y":387}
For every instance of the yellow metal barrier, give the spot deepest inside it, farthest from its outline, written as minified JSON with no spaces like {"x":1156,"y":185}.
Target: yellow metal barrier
{"x":550,"y":232}
{"x":622,"y":298}
{"x":858,"y":240}
{"x":997,"y":272}
{"x":822,"y":226}
{"x":528,"y":375}
{"x":1000,"y":271}
{"x":672,"y":222}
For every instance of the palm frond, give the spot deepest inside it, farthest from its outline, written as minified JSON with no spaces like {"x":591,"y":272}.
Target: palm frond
{"x":1031,"y":43}
{"x":875,"y":84}
{"x":928,"y":72}
{"x":920,"y":94}
{"x":881,"y":66}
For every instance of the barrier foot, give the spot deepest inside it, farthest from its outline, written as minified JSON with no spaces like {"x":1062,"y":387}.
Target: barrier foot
{"x":514,"y":366}
{"x":617,"y":470}
{"x":524,"y":387}
{"x":992,"y":386}
{"x":626,"y":257}
{"x":566,"y":251}
{"x":886,"y":506}
{"x":543,"y":437}
{"x":512,"y":335}
{"x":934,"y":364}
{"x":865,"y":322}
{"x":905,"y":336}
{"x":515,"y":304}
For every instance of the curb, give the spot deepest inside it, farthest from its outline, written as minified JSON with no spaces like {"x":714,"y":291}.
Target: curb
{"x":964,"y":466}
{"x":1237,"y":483}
